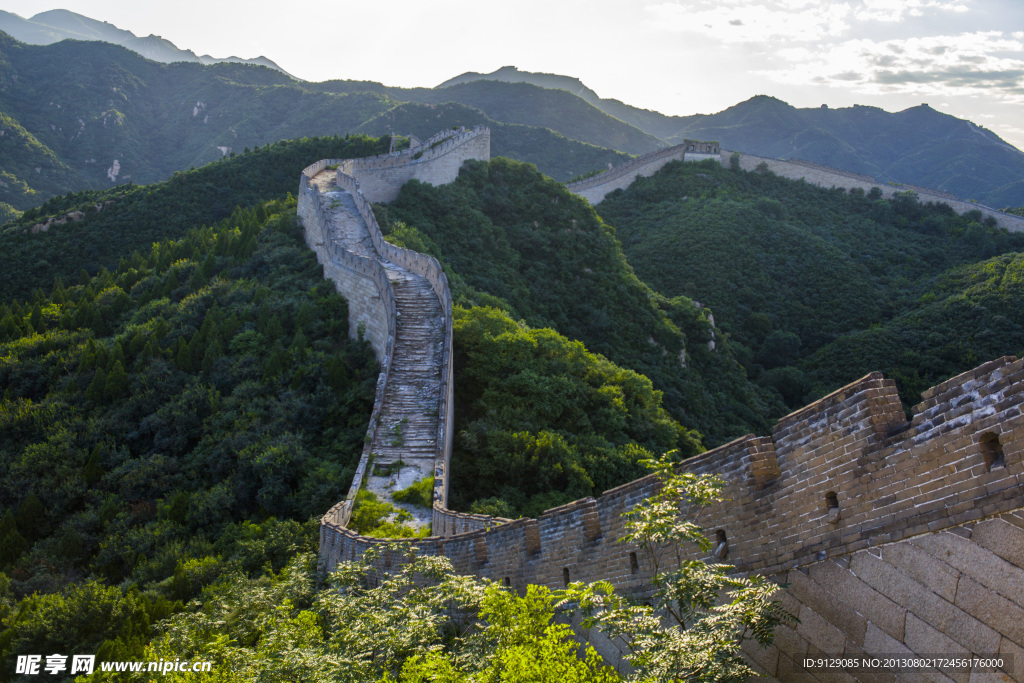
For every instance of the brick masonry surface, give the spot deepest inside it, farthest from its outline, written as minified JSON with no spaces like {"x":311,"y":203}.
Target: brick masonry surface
{"x":893,"y":536}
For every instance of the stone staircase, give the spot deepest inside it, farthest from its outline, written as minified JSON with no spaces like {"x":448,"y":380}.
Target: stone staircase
{"x":405,"y":445}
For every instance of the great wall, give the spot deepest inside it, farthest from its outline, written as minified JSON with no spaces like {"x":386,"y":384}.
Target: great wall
{"x":596,"y":187}
{"x":895,"y":537}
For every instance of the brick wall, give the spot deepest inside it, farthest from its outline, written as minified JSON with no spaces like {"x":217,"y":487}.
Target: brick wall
{"x":894,"y":535}
{"x":436,"y":162}
{"x":960,"y":460}
{"x":594,"y":188}
{"x":364,"y":282}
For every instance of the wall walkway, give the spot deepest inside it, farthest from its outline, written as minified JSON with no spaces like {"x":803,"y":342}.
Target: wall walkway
{"x":895,"y":536}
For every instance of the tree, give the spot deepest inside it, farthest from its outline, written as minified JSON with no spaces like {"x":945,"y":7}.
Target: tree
{"x":710,"y":612}
{"x":12,"y":543}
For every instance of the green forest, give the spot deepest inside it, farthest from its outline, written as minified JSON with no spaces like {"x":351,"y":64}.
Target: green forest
{"x":168,"y":423}
{"x":814,"y":287}
{"x":181,"y":401}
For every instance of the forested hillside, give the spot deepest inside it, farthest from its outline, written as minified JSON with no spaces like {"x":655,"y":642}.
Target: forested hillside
{"x":94,"y":229}
{"x":514,"y":239}
{"x":169,"y":423}
{"x":790,"y":268}
{"x":86,"y":115}
{"x":162,"y":423}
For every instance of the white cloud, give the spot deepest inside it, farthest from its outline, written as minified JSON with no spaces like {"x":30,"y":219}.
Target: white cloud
{"x":758,"y":21}
{"x":985,"y":62}
{"x":733,"y":21}
{"x":899,"y":10}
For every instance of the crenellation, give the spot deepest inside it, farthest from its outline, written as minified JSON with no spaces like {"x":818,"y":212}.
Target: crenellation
{"x":594,"y":188}
{"x":828,"y":503}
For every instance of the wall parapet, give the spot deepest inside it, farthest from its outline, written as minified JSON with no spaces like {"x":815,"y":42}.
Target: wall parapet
{"x":319,"y":238}
{"x":594,"y":188}
{"x":842,"y":474}
{"x":826,"y":176}
{"x":429,"y":268}
{"x":445,"y":151}
{"x":436,"y":161}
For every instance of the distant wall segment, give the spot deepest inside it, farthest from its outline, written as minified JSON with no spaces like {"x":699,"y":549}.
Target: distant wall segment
{"x":823,"y":176}
{"x":435,"y":161}
{"x":594,"y":188}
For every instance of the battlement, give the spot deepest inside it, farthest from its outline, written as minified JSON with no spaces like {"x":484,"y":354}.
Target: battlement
{"x":594,"y":188}
{"x":435,"y":161}
{"x":848,"y":501}
{"x":364,"y":281}
{"x":842,"y":474}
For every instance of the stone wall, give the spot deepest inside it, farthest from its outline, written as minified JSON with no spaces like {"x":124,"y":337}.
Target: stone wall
{"x":894,"y":535}
{"x":957,"y":593}
{"x":845,"y":477}
{"x":371,"y":306}
{"x":364,"y":281}
{"x":429,"y":268}
{"x":594,"y":188}
{"x":824,"y":176}
{"x":436,"y":162}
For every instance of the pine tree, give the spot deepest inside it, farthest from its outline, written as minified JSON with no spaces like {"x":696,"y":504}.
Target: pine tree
{"x":209,"y":265}
{"x":101,"y":358}
{"x":183,"y":357}
{"x":12,"y":543}
{"x":152,"y":350}
{"x":275,"y":364}
{"x":117,"y":357}
{"x":93,"y":470}
{"x":117,"y":383}
{"x":36,"y":317}
{"x":170,"y":284}
{"x":87,"y":359}
{"x":98,"y":387}
{"x":214,"y":350}
{"x":31,"y":518}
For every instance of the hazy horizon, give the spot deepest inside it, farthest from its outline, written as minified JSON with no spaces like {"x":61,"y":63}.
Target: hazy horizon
{"x":679,"y":58}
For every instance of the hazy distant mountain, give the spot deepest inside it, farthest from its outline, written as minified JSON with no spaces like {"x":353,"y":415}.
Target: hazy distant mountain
{"x":60,"y":24}
{"x":69,"y":109}
{"x":919,"y":146}
{"x":523,"y":103}
{"x":85,"y":115}
{"x":652,"y":122}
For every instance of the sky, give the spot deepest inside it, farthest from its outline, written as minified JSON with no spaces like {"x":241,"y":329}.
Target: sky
{"x":961,"y":57}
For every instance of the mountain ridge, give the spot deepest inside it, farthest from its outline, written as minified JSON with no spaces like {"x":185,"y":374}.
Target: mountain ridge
{"x":52,"y":26}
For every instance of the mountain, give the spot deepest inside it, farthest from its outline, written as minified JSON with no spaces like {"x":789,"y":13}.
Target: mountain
{"x":918,"y":146}
{"x":652,"y":122}
{"x":553,"y":153}
{"x":64,"y":126}
{"x":60,"y":24}
{"x":522,"y":103}
{"x":816,"y":287}
{"x":86,"y":115}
